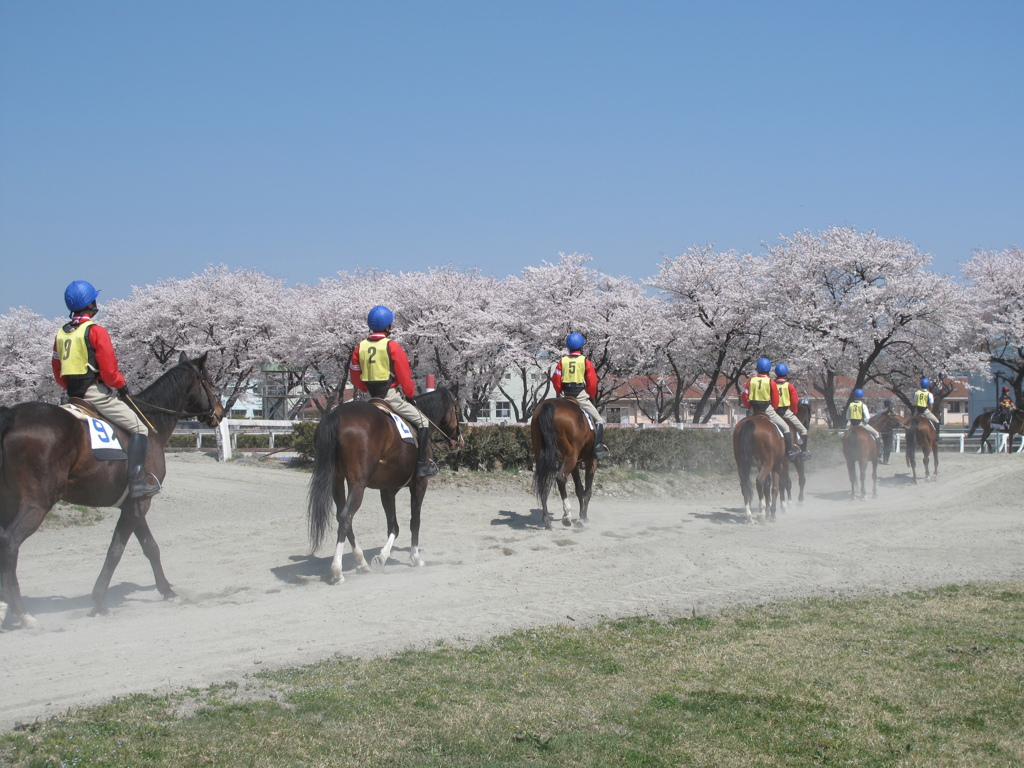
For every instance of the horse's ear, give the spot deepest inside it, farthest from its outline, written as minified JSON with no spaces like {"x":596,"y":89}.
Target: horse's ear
{"x":201,"y":360}
{"x":182,"y":358}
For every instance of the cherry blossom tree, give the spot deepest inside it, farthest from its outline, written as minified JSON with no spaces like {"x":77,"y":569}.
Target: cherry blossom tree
{"x":996,"y":283}
{"x":857,"y":303}
{"x":26,"y":348}
{"x":720,"y":308}
{"x":233,"y":315}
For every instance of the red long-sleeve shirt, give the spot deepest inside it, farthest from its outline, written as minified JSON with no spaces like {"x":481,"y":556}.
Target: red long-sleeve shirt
{"x":401,"y":372}
{"x":589,"y":376}
{"x":98,"y":340}
{"x":794,"y":399}
{"x":745,"y":397}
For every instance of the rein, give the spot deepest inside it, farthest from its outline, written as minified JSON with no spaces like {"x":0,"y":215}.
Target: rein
{"x":209,"y":413}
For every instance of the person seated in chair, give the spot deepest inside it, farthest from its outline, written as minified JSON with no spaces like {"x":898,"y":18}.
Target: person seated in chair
{"x":380,"y":366}
{"x":761,"y":395}
{"x":857,"y":415}
{"x":85,"y":365}
{"x":574,"y":376}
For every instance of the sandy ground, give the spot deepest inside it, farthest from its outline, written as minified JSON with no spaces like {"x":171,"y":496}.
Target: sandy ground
{"x":233,"y":538}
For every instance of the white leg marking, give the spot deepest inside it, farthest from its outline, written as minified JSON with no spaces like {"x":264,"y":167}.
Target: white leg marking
{"x":3,"y":614}
{"x":361,"y":564}
{"x":414,"y":556}
{"x":381,"y":560}
{"x":336,"y":577}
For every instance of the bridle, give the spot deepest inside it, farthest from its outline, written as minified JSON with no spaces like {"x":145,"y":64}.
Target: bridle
{"x":209,"y":415}
{"x":454,"y":441}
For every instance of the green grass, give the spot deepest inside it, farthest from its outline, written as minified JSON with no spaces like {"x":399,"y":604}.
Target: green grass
{"x":925,"y":679}
{"x":72,"y":515}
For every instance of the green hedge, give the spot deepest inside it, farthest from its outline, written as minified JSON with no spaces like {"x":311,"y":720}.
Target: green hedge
{"x":509,"y":447}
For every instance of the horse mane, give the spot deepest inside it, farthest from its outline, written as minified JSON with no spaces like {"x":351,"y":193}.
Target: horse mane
{"x":434,"y":404}
{"x":167,"y":390}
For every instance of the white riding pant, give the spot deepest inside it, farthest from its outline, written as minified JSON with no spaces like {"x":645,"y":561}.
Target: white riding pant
{"x":798,"y":425}
{"x":116,"y":411}
{"x":777,"y":420}
{"x":589,"y":408}
{"x":396,"y":399}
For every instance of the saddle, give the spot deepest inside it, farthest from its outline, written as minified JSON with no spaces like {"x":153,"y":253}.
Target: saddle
{"x":81,"y":409}
{"x":106,"y":446}
{"x":587,"y":416}
{"x":405,"y":430}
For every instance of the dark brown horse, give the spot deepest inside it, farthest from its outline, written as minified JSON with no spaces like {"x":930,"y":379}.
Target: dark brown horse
{"x":756,"y":442}
{"x":920,"y":432}
{"x":562,"y":440}
{"x":1014,"y":425}
{"x":803,"y":413}
{"x":45,"y":457}
{"x":358,"y":447}
{"x":860,"y":449}
{"x":885,"y":423}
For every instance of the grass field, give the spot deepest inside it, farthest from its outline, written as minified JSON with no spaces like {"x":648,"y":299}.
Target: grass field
{"x":921,"y":679}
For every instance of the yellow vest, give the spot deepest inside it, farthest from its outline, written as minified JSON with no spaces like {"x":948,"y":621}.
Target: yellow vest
{"x":921,"y":398}
{"x":374,"y":360}
{"x":760,"y":389}
{"x":73,"y":350}
{"x":856,"y":411}
{"x":574,"y":369}
{"x":783,"y":394}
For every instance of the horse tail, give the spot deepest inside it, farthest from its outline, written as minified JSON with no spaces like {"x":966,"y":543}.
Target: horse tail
{"x":321,"y":484}
{"x":549,"y":461}
{"x":6,"y":421}
{"x":976,"y":424}
{"x":911,"y":440}
{"x":746,"y":457}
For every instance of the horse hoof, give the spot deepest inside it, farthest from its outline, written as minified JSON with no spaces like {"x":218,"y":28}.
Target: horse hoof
{"x":335,"y":577}
{"x":417,"y":562}
{"x":364,"y":568}
{"x":378,"y":563}
{"x":581,"y":523}
{"x":567,"y":522}
{"x":99,"y":610}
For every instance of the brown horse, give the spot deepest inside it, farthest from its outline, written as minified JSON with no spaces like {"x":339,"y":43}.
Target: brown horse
{"x":920,"y":432}
{"x":885,"y":423}
{"x":45,"y":457}
{"x":562,"y":440}
{"x":1014,"y":426}
{"x":358,"y":445}
{"x":756,"y":442}
{"x":860,"y":449}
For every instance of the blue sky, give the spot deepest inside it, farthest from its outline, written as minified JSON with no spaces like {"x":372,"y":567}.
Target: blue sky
{"x":148,"y":140}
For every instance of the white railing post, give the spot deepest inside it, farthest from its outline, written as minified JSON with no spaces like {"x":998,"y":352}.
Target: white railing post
{"x":961,"y":442}
{"x":225,"y":440}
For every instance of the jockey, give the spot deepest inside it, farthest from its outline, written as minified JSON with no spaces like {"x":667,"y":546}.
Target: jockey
{"x":857,"y":415}
{"x":923,"y":402}
{"x":788,"y":403}
{"x":574,"y":376}
{"x":85,"y":365}
{"x":1005,"y":409}
{"x":762,"y":396}
{"x":380,"y":366}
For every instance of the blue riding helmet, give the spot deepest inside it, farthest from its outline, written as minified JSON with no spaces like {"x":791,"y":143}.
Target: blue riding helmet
{"x":887,"y":403}
{"x":380,"y":318}
{"x":764,"y":365}
{"x":79,"y":295}
{"x":925,"y":383}
{"x":858,"y":394}
{"x":781,"y":370}
{"x":575,"y":341}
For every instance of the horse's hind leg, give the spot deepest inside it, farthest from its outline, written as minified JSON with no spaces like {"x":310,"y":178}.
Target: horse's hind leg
{"x":578,"y":488}
{"x":123,"y":531}
{"x":387,"y":500}
{"x":564,"y":495}
{"x":346,"y":511}
{"x":874,"y":479}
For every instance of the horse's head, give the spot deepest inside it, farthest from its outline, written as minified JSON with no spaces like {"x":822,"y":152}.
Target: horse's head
{"x":202,"y":402}
{"x":450,"y":425}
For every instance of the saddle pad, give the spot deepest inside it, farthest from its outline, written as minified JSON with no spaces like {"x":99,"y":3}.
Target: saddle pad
{"x":400,"y":424}
{"x":590,"y":420}
{"x":104,"y":442}
{"x":102,"y":437}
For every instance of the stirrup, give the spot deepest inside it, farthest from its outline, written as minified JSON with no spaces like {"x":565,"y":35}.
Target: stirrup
{"x":427,"y":469}
{"x":141,"y":488}
{"x":805,"y":456}
{"x":601,"y":451}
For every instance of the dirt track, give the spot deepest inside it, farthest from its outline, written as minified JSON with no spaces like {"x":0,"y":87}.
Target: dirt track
{"x":233,"y":539}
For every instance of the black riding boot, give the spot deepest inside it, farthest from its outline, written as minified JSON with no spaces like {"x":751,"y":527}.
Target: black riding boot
{"x":600,"y":449}
{"x":881,"y":447}
{"x":790,"y":450}
{"x":139,"y":486}
{"x":424,"y":466}
{"x":804,"y":454}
